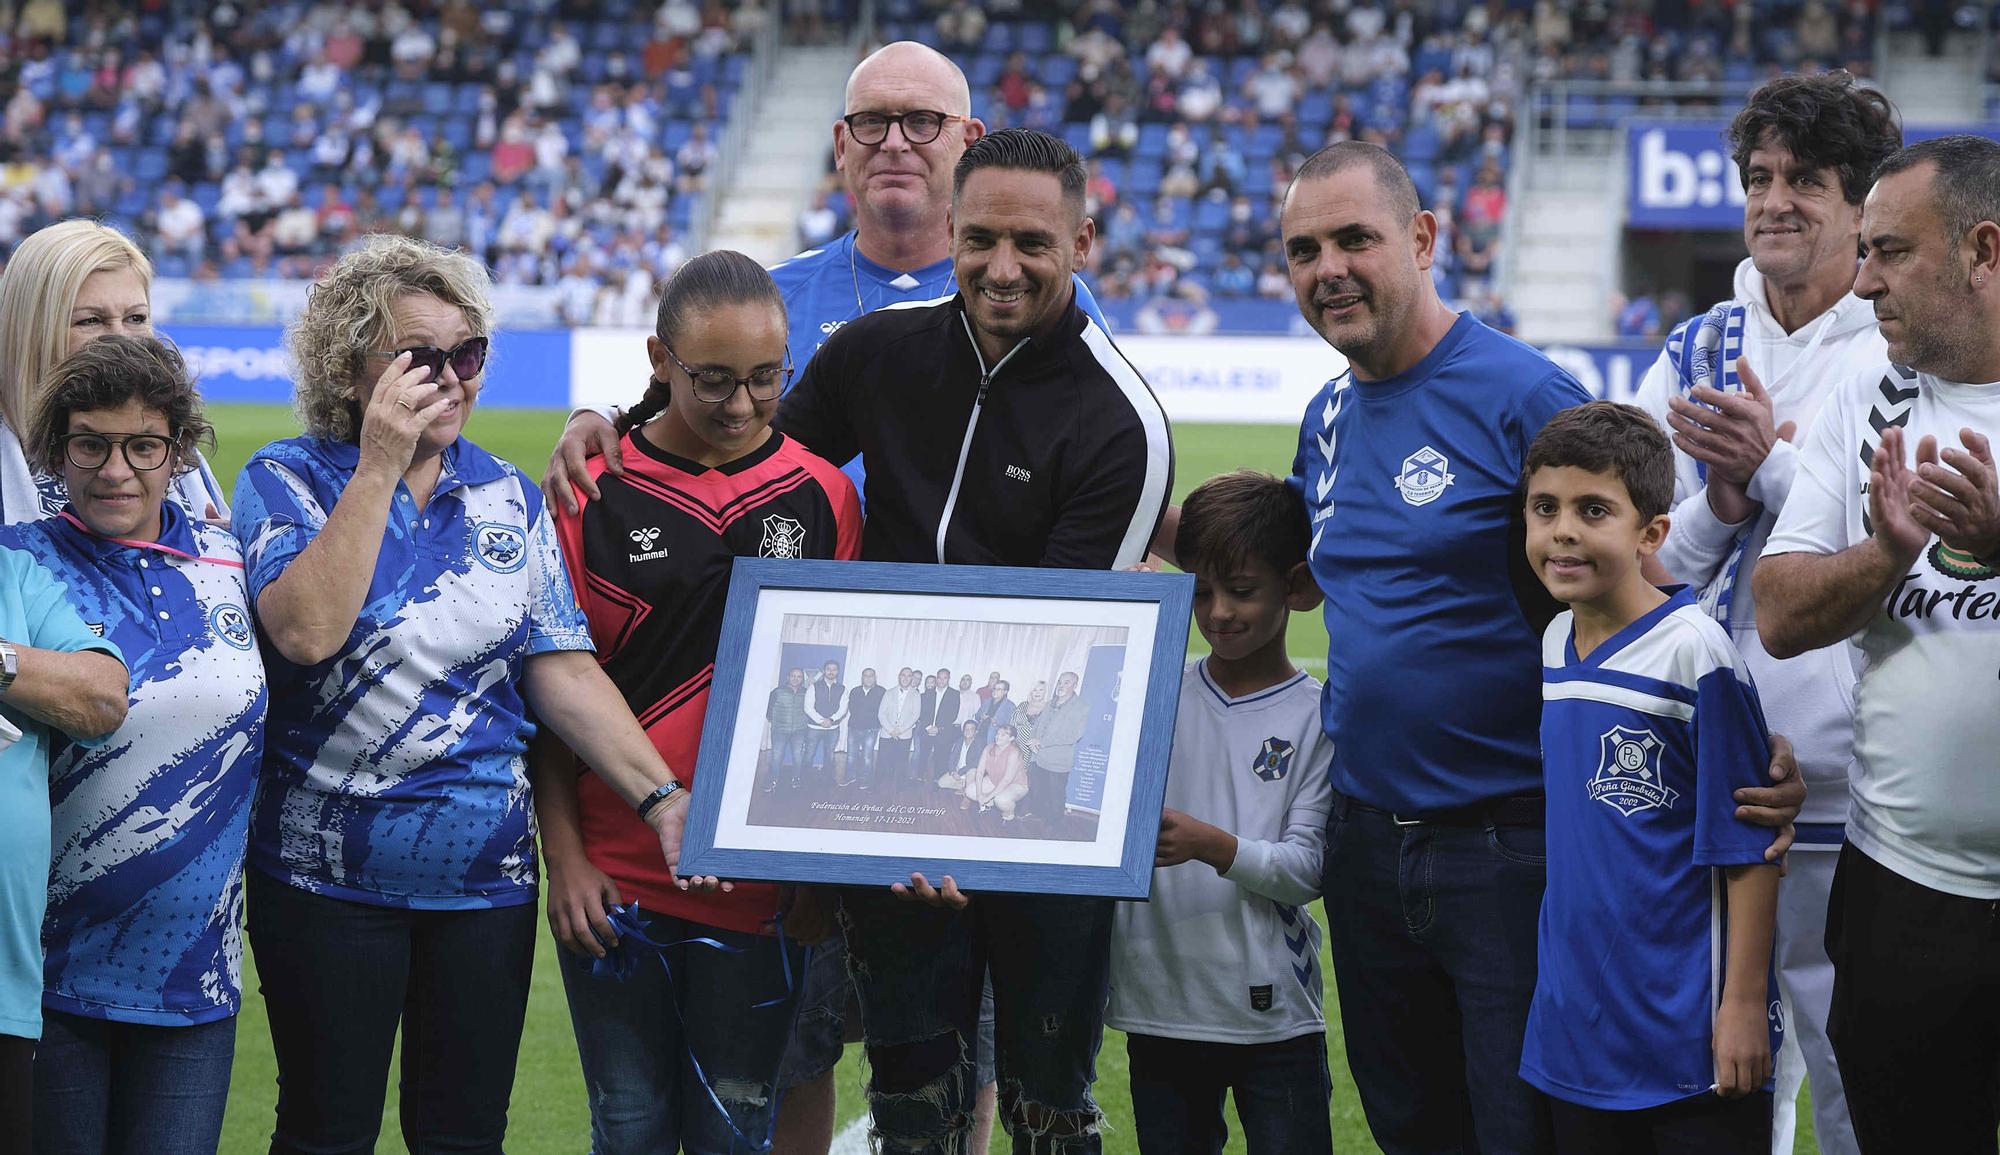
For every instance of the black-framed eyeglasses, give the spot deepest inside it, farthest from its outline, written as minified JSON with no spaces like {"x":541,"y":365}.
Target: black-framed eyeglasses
{"x":466,"y":358}
{"x":920,"y":125}
{"x":144,"y":452}
{"x":715,"y":386}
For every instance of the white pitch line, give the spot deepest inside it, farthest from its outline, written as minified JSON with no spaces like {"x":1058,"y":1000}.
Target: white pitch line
{"x":852,"y":1140}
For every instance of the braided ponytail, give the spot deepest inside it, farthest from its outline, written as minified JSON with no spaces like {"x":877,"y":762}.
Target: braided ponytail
{"x":653,"y":404}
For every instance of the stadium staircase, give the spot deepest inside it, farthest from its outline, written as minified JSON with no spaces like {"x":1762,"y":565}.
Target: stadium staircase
{"x":1560,"y":244}
{"x":785,"y":151}
{"x":1948,"y":89}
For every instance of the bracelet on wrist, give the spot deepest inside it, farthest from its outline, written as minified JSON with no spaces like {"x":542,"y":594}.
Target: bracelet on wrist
{"x":658,"y":798}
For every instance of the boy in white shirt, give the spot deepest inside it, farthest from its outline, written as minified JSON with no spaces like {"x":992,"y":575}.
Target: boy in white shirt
{"x":1216,"y":981}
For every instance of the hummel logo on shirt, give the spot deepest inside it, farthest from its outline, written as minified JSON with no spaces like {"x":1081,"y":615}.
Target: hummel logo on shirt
{"x":644,"y":539}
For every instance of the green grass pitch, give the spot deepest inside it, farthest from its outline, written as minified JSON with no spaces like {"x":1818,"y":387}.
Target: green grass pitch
{"x":550,"y":1115}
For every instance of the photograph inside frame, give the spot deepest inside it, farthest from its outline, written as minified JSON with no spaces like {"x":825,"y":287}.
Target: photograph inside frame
{"x":981,"y":729}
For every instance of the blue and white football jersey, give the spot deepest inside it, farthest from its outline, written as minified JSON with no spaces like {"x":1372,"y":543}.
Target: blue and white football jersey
{"x":393,"y":772}
{"x":1411,"y":485}
{"x":827,"y":287}
{"x":146,"y":877}
{"x":1643,"y":744}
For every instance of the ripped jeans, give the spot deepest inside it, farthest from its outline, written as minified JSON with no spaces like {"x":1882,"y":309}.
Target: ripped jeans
{"x":635,"y":1038}
{"x":919,"y":971}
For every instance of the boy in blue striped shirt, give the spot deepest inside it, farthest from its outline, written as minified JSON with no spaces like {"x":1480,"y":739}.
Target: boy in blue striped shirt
{"x":1655,"y":1018}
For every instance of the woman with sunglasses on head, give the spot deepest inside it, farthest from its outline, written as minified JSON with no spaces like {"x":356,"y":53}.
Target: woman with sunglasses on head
{"x":706,"y":480}
{"x":413,"y":607}
{"x":141,"y":979}
{"x":64,"y":286}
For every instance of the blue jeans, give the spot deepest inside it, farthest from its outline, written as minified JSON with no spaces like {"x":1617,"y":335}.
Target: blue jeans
{"x":1432,"y":931}
{"x":919,"y":972}
{"x":861,"y":756}
{"x":339,"y":977}
{"x":788,"y":748}
{"x":127,"y":1089}
{"x":1282,"y":1093}
{"x":636,"y":1037}
{"x":819,"y":749}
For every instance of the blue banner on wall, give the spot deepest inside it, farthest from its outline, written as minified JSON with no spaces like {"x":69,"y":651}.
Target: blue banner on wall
{"x":1611,"y":372}
{"x":1102,"y":672}
{"x":530,"y":368}
{"x":1679,"y":174}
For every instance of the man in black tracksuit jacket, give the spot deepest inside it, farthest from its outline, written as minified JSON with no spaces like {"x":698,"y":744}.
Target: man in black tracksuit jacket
{"x":1055,"y":455}
{"x":999,"y":426}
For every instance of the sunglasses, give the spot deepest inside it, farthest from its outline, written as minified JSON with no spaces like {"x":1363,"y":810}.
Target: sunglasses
{"x":466,"y":358}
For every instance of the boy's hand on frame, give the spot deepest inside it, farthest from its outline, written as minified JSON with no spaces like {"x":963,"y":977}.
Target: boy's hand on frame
{"x":1184,"y":838}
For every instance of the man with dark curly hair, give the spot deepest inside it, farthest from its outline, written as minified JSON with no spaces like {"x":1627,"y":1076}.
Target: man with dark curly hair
{"x":1736,"y":386}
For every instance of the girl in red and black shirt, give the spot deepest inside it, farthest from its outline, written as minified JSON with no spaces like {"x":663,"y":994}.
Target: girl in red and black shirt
{"x":705,"y":480}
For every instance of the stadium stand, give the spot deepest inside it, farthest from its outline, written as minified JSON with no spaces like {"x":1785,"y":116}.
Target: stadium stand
{"x":566,"y":145}
{"x":570,"y":144}
{"x":1195,"y":116}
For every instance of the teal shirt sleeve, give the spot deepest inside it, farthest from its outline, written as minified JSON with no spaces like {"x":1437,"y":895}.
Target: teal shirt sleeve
{"x":42,"y":617}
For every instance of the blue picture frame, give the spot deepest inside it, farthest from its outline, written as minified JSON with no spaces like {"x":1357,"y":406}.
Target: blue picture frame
{"x":790,"y":856}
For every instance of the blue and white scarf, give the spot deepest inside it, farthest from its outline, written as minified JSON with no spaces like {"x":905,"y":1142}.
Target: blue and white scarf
{"x":1703,"y":351}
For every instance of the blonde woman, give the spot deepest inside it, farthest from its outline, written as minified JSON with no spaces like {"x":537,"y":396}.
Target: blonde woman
{"x":64,"y":286}
{"x":413,"y":605}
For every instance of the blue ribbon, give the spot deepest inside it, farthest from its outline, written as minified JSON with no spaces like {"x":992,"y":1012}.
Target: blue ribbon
{"x":635,"y":946}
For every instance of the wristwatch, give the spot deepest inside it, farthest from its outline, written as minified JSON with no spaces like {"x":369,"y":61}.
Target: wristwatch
{"x":10,"y":665}
{"x":647,"y":805}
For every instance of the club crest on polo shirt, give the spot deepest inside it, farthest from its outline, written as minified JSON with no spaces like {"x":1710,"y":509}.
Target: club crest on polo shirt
{"x":231,"y":623}
{"x":500,"y":548}
{"x":1274,"y":761}
{"x":783,"y":537}
{"x":1424,"y":477}
{"x":1628,"y":772}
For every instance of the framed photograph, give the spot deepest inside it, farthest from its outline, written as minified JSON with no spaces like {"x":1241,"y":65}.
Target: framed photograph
{"x":1008,"y":727}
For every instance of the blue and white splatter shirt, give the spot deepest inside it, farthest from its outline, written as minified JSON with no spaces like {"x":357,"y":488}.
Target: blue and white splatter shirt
{"x":394,"y":771}
{"x":146,"y":876}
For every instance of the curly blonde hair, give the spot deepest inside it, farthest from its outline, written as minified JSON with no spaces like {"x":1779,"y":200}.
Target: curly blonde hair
{"x":348,"y":315}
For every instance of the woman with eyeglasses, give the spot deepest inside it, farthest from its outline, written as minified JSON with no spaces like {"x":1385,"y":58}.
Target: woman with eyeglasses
{"x":64,"y":286}
{"x":706,"y":480}
{"x":141,"y":980}
{"x":413,"y":607}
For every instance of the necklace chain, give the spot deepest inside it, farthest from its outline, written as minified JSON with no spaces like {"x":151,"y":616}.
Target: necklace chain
{"x":854,"y":275}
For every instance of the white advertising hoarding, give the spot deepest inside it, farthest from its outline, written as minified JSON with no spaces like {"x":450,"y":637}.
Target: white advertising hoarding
{"x":1263,"y":380}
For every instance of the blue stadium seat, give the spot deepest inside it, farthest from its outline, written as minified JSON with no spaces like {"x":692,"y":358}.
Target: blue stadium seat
{"x":1143,"y":180}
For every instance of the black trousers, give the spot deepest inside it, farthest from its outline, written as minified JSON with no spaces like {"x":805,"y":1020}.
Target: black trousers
{"x":17,"y":1094}
{"x":339,"y":978}
{"x":1703,"y":1125}
{"x":1915,"y":1020}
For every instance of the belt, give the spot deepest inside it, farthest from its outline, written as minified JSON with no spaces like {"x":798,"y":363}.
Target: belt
{"x":1513,"y":810}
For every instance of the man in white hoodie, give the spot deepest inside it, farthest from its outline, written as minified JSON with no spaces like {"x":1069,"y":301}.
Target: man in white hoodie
{"x":1735,"y":387}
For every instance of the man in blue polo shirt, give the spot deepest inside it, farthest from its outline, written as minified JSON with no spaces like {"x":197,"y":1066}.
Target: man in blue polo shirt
{"x":1409,"y":463}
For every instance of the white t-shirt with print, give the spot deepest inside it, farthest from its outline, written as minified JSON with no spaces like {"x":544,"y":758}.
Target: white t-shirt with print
{"x":1926,"y":778}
